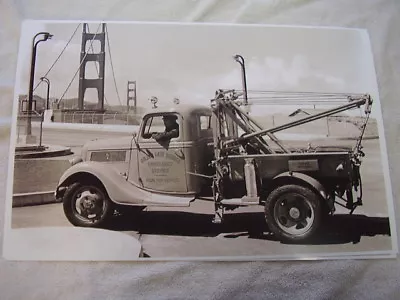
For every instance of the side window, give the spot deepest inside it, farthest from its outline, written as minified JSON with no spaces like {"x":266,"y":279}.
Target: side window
{"x":205,"y":122}
{"x":205,"y":126}
{"x":161,"y":124}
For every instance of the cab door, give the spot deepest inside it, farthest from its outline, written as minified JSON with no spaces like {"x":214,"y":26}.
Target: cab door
{"x":161,"y":165}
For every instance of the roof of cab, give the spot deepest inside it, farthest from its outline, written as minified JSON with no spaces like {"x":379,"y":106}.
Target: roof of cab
{"x":184,"y":110}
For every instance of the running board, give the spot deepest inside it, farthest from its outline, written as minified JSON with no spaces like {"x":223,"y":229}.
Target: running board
{"x":245,"y":201}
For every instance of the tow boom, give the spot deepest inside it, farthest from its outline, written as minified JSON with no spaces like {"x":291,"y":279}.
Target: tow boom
{"x":228,"y":117}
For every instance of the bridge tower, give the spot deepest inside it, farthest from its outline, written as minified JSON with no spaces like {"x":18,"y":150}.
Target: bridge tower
{"x":131,"y":95}
{"x":97,"y":83}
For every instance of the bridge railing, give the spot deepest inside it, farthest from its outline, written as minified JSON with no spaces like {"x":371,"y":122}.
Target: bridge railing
{"x":101,"y":118}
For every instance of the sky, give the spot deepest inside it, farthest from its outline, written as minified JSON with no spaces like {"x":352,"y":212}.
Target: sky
{"x":191,"y":62}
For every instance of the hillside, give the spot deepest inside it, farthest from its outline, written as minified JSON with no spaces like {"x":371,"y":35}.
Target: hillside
{"x":338,"y":125}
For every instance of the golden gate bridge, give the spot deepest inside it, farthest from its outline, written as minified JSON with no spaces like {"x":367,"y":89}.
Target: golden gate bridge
{"x":66,"y":111}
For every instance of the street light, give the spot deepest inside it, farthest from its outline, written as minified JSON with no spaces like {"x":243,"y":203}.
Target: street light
{"x":44,"y":37}
{"x":240,"y":60}
{"x":45,"y":79}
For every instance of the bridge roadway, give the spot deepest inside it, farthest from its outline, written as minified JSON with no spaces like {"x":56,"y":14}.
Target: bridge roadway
{"x":188,"y":232}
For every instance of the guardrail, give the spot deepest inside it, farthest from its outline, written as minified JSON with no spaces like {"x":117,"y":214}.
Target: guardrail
{"x":100,"y":118}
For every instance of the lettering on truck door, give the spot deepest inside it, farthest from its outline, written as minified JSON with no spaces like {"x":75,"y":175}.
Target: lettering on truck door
{"x":161,"y":158}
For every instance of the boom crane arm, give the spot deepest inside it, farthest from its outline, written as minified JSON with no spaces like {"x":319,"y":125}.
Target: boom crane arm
{"x":228,"y":112}
{"x":246,"y":122}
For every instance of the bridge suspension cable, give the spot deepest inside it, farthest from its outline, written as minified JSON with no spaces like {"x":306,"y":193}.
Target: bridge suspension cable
{"x":80,"y":65}
{"x":112,"y":66}
{"x":59,"y":56}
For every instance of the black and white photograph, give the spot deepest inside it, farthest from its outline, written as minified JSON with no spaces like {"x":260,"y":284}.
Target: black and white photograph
{"x":173,"y":141}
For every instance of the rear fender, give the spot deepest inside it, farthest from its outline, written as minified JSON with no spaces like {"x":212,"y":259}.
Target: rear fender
{"x":293,"y":177}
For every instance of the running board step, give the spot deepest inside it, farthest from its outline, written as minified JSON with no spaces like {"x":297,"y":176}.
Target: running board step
{"x":245,"y":201}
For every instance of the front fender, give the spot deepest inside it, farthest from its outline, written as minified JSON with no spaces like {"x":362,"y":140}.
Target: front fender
{"x":305,"y":179}
{"x":94,"y":168}
{"x":119,"y":190}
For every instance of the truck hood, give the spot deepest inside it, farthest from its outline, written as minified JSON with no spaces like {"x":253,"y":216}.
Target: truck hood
{"x":112,"y":143}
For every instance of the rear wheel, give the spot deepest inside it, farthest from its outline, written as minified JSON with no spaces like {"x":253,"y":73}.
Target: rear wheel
{"x":87,"y":205}
{"x":293,"y":212}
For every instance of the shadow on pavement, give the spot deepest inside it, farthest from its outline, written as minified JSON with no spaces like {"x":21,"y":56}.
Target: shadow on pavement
{"x":338,"y":229}
{"x":341,"y":229}
{"x":188,"y":224}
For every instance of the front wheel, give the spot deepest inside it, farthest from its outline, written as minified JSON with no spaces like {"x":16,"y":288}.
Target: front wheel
{"x":293,"y":212}
{"x":87,"y":205}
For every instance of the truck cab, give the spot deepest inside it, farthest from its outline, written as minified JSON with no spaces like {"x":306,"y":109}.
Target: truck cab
{"x":139,"y":170}
{"x":168,"y":165}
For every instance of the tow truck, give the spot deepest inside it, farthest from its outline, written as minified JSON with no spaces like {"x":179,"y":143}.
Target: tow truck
{"x":222,"y":153}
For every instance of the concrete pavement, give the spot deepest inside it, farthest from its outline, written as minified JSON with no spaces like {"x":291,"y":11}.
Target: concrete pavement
{"x":189,"y":232}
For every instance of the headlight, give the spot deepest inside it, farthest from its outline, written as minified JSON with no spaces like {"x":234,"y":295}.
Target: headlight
{"x":75,"y":160}
{"x":84,"y":152}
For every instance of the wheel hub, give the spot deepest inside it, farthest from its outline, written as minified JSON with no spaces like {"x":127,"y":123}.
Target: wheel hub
{"x":294,"y":213}
{"x":88,"y":203}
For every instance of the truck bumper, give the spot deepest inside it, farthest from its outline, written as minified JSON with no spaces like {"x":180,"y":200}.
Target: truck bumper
{"x":59,"y":193}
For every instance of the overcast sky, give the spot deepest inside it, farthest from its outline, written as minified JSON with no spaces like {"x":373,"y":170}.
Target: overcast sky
{"x":192,"y":61}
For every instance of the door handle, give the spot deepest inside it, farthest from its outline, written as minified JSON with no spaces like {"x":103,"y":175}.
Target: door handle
{"x":148,"y":152}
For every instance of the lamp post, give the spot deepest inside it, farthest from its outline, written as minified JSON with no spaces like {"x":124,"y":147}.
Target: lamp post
{"x":45,"y":79}
{"x":240,"y":60}
{"x":44,"y":37}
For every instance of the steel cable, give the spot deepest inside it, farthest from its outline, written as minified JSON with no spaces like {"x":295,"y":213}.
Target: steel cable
{"x":112,"y":67}
{"x":59,"y":56}
{"x":83,"y":59}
